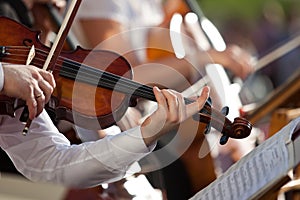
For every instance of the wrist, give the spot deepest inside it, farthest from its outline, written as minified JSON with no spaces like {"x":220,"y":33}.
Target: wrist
{"x":149,"y":136}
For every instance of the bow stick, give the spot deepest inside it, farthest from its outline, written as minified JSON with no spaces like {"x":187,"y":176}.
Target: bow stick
{"x":58,"y":44}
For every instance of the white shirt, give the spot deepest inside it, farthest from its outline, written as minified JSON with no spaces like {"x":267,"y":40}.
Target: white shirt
{"x":135,"y":15}
{"x":46,"y":155}
{"x":131,"y":13}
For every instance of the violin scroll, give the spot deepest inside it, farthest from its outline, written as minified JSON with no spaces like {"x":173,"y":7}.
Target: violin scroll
{"x":241,"y":128}
{"x":238,"y":129}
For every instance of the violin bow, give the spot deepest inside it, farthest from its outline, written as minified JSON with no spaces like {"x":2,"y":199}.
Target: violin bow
{"x":58,"y":44}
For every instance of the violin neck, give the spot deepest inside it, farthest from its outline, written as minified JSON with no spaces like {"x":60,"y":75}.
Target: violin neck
{"x":99,"y":78}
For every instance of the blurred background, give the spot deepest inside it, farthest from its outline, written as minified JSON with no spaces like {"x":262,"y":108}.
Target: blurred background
{"x":260,"y":27}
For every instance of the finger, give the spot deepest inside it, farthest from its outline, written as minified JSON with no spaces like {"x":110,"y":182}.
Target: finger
{"x":159,"y":116}
{"x":194,"y":107}
{"x":181,"y":107}
{"x":201,"y":100}
{"x":203,"y":97}
{"x":46,"y":83}
{"x":46,"y":88}
{"x":32,"y":105}
{"x":161,"y":101}
{"x":48,"y":77}
{"x":40,"y":99}
{"x":172,"y":104}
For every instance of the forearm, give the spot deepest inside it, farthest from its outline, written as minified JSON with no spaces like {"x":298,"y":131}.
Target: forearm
{"x":46,"y":155}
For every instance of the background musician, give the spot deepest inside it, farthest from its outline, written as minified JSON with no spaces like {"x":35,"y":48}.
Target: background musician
{"x":131,"y":28}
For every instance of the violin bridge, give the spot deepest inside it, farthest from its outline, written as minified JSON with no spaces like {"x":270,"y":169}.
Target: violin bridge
{"x":31,"y":55}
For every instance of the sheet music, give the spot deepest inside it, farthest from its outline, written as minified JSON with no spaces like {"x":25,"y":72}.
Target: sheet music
{"x":267,"y":163}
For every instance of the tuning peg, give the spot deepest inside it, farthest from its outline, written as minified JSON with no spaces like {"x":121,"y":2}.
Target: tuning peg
{"x":225,"y":110}
{"x":224,"y":139}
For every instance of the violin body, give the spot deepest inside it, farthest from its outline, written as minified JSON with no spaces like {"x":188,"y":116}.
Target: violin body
{"x":86,"y":105}
{"x":48,"y":19}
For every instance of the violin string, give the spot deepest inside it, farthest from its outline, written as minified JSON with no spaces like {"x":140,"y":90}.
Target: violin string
{"x":117,"y":84}
{"x":112,"y":81}
{"x":109,"y":79}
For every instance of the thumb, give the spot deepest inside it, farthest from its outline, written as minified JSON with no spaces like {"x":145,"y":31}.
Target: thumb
{"x":194,"y":107}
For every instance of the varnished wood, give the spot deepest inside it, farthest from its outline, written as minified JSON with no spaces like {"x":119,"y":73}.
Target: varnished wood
{"x":273,"y":191}
{"x":88,"y":102}
{"x":281,"y":117}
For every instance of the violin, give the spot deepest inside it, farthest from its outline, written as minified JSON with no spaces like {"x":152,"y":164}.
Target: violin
{"x":94,"y":88}
{"x":48,"y":19}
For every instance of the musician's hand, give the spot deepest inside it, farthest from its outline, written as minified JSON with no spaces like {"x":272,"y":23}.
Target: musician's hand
{"x":29,"y":83}
{"x":170,"y":112}
{"x":235,"y":59}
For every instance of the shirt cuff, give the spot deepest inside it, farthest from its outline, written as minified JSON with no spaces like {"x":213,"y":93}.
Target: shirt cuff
{"x":122,"y":150}
{"x":1,"y":77}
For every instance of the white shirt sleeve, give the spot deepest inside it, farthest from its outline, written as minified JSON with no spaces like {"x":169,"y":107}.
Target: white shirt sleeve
{"x":46,"y":155}
{"x":1,"y":77}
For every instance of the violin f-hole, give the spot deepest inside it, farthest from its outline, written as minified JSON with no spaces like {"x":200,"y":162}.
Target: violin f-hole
{"x":27,"y":42}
